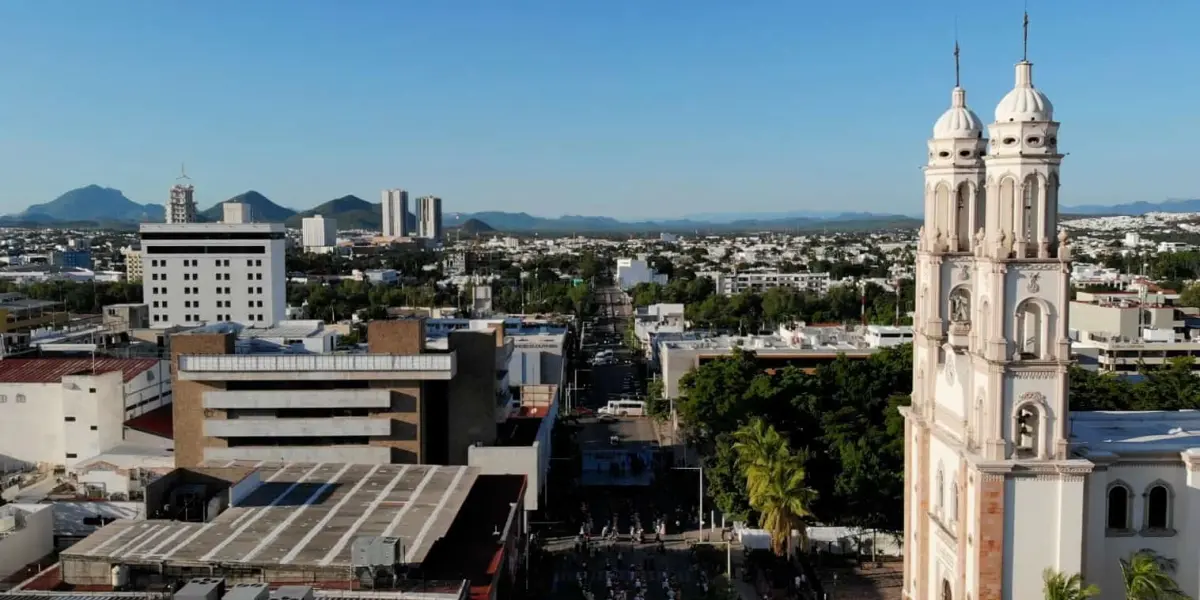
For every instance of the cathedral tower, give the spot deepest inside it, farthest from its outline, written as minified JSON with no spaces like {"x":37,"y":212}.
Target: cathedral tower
{"x":986,"y":446}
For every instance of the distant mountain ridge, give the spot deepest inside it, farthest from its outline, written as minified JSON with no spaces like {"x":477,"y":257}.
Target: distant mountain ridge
{"x":110,"y":208}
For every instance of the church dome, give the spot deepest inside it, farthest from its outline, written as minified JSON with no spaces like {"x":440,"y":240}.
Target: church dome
{"x":1024,"y":102}
{"x":959,"y":121}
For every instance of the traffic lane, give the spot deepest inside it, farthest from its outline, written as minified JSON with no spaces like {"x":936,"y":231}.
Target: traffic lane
{"x":609,"y":382}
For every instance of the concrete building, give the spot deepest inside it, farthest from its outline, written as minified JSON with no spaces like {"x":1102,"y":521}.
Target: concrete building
{"x":26,"y":536}
{"x":133,"y":263}
{"x":318,"y":234}
{"x":1118,"y":332}
{"x":58,"y":411}
{"x":429,"y":218}
{"x":181,"y":207}
{"x":395,"y":213}
{"x":806,"y":347}
{"x":650,"y":322}
{"x":123,"y":317}
{"x":236,"y":213}
{"x":760,"y":281}
{"x":200,"y":273}
{"x":71,"y":258}
{"x":303,"y":523}
{"x":1002,"y":480}
{"x":397,"y":403}
{"x":632,"y":271}
{"x":19,"y":313}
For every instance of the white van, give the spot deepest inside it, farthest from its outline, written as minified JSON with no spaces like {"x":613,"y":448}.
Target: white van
{"x":624,"y":408}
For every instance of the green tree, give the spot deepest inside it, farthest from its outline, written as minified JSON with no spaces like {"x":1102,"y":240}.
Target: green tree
{"x":782,"y":499}
{"x":1060,"y":586}
{"x":1148,"y":576}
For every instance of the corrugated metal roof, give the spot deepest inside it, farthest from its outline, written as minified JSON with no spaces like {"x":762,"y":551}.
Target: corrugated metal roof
{"x":52,"y":370}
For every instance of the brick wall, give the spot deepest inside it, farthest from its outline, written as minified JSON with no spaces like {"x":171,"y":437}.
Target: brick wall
{"x":187,"y":411}
{"x":404,"y":337}
{"x":991,"y":536}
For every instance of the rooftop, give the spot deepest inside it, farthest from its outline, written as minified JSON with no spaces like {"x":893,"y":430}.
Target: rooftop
{"x":52,"y":370}
{"x":1132,"y":432}
{"x":302,"y":515}
{"x":208,"y":227}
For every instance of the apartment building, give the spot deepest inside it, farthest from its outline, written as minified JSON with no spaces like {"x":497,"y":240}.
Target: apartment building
{"x":394,"y":206}
{"x":759,"y":281}
{"x":196,"y":273}
{"x":133,"y":263}
{"x":318,"y":234}
{"x":429,"y":218}
{"x":399,"y":402}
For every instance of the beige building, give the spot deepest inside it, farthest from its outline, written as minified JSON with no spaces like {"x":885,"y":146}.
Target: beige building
{"x":133,"y":263}
{"x":398,"y":403}
{"x":1002,"y":481}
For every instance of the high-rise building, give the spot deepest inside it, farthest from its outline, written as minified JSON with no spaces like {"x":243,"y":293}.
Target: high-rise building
{"x":429,"y":217}
{"x":395,"y":213}
{"x":318,"y":233}
{"x":196,"y":273}
{"x":181,"y":208}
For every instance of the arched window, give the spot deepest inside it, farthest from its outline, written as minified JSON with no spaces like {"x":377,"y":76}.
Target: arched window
{"x":941,"y":199}
{"x":1027,"y":432}
{"x":1159,"y":499}
{"x":946,"y":593}
{"x":1030,"y":333}
{"x":954,"y":499}
{"x":962,"y":221}
{"x":1032,"y":230}
{"x":941,"y":488}
{"x":1119,"y":508}
{"x":1008,"y":199}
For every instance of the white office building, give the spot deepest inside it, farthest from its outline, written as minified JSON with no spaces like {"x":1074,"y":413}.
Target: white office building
{"x":632,"y":271}
{"x":200,"y":273}
{"x":395,"y":213}
{"x":318,"y":234}
{"x":429,"y":217}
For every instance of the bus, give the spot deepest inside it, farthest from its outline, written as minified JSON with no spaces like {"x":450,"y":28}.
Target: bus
{"x":624,"y":408}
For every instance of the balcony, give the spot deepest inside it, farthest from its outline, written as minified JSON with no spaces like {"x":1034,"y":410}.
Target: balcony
{"x":285,"y":399}
{"x":322,"y":427}
{"x":311,"y":367}
{"x":367,"y":455}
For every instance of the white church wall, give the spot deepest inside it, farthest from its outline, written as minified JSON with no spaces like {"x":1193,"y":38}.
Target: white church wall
{"x":950,"y":389}
{"x":1043,"y":528}
{"x":971,"y":528}
{"x":945,"y":460}
{"x":1105,"y":551}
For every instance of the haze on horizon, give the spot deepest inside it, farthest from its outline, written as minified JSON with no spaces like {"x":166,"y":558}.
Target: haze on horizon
{"x":621,"y":108}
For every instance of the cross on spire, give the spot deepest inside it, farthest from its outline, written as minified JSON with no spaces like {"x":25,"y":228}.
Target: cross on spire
{"x":957,"y":79}
{"x":1025,"y":41}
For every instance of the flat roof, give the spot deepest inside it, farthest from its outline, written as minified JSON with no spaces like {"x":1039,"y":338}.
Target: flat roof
{"x":1132,"y":432}
{"x":52,"y":370}
{"x":302,"y":514}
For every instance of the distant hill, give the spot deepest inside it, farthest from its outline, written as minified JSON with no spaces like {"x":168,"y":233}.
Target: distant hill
{"x":473,"y":227}
{"x":261,"y":209}
{"x":90,"y":203}
{"x":351,"y":212}
{"x":1136,"y":208}
{"x":525,"y":223}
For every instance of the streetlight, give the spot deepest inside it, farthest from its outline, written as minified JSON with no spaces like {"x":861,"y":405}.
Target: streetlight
{"x":700,"y":511}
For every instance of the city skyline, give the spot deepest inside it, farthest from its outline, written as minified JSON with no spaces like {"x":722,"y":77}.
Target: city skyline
{"x":640,"y":112}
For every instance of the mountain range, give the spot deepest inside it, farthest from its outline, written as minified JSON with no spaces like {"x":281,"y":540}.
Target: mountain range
{"x":108,"y":207}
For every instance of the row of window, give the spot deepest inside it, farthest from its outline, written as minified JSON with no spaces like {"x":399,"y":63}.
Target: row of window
{"x":217,"y":276}
{"x":196,"y":291}
{"x":192,"y":262}
{"x":20,"y":399}
{"x":1158,"y":516}
{"x":192,"y":318}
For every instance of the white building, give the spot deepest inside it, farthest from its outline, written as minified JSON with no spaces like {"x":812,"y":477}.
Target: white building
{"x":1001,"y":481}
{"x":429,"y":218}
{"x":759,"y":281}
{"x":318,"y":234}
{"x":199,"y":273}
{"x":632,"y":271}
{"x":395,"y":213}
{"x":237,"y":212}
{"x":57,"y":411}
{"x":181,"y":208}
{"x":26,"y":536}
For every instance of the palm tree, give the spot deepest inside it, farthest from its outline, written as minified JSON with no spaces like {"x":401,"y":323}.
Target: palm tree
{"x":1147,"y":576}
{"x":774,"y":481}
{"x":1060,"y":586}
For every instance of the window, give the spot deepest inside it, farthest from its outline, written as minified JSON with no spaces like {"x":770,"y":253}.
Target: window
{"x":258,"y":263}
{"x":227,"y":277}
{"x":1159,"y":499}
{"x":186,"y":276}
{"x":258,"y":276}
{"x":164,"y":303}
{"x":218,"y":290}
{"x":226,"y":290}
{"x":3,"y":398}
{"x":257,"y":290}
{"x":156,"y":304}
{"x":249,"y":290}
{"x":251,"y":304}
{"x":941,"y":489}
{"x":249,"y":263}
{"x":91,"y":390}
{"x":20,"y":398}
{"x":1119,"y":509}
{"x":250,"y":276}
{"x":187,"y":317}
{"x":69,"y":419}
{"x":93,"y":428}
{"x":70,"y":455}
{"x":154,"y":276}
{"x":259,"y":303}
{"x":154,"y":290}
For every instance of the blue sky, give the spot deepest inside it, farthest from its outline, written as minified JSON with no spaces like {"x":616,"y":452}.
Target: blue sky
{"x":628,"y":108}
